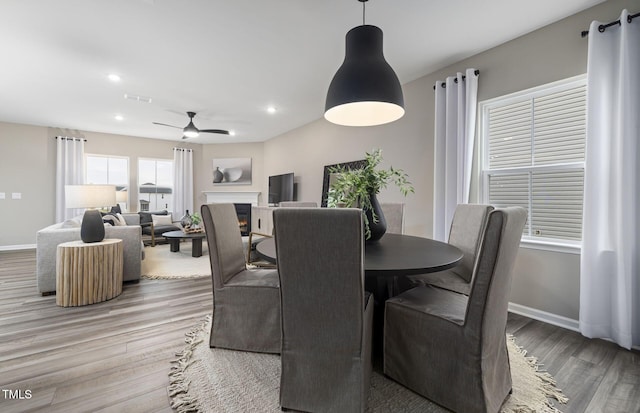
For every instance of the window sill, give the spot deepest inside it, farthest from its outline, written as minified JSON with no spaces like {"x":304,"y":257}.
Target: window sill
{"x":554,"y":246}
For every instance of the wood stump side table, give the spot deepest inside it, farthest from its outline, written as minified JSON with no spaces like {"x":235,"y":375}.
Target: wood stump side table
{"x":88,"y":273}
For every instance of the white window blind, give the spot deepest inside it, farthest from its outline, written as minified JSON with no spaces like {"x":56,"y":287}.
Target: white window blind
{"x":533,"y":156}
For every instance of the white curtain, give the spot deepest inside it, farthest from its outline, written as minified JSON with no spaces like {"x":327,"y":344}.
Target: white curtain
{"x":610,"y":268}
{"x":455,"y":127}
{"x":182,"y":182}
{"x":69,"y":171}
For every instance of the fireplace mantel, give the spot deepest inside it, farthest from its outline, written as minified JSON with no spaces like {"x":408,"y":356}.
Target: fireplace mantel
{"x":234,"y":197}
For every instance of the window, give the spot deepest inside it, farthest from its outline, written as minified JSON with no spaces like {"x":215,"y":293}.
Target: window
{"x":111,"y":170}
{"x":155,"y":184}
{"x":533,"y":156}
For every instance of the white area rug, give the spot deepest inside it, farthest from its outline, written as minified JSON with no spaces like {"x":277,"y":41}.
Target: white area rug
{"x":159,"y":262}
{"x":203,"y":380}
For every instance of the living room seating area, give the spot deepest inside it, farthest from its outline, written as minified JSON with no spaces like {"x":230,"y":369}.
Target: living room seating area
{"x":47,"y":240}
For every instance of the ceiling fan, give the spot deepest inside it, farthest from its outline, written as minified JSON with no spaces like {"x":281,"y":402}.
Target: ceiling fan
{"x":190,"y":131}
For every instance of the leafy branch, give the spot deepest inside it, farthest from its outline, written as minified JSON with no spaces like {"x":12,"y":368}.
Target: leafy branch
{"x":352,"y":188}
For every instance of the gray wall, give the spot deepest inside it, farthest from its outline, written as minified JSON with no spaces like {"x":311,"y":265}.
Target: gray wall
{"x":26,"y":166}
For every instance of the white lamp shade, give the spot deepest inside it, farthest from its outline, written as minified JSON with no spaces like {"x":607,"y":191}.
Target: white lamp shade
{"x":121,"y":196}
{"x":89,"y":196}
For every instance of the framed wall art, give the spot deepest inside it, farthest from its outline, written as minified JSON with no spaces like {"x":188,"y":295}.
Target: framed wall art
{"x":232,"y":171}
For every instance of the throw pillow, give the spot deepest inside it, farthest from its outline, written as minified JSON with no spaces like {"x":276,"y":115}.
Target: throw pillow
{"x":110,"y":219}
{"x":159,"y":220}
{"x":121,"y":220}
{"x":145,"y":216}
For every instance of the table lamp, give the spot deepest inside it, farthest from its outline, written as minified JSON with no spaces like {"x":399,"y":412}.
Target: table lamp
{"x":90,"y":196}
{"x":122,"y":198}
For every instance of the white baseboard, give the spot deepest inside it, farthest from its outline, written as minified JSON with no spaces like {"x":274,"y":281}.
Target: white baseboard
{"x":17,"y":247}
{"x":549,"y":318}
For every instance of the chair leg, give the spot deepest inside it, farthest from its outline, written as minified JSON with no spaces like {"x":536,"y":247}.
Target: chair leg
{"x":249,"y":248}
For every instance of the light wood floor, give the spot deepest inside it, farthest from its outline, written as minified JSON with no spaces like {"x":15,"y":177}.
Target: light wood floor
{"x":115,"y":356}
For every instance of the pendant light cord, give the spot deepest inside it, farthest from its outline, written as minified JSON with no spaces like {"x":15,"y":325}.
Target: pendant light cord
{"x":363,"y":7}
{"x":363,"y":10}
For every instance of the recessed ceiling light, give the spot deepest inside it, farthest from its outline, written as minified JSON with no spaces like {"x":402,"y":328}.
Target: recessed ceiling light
{"x":119,"y":117}
{"x":114,"y":78}
{"x":271,"y":109}
{"x":232,"y":133}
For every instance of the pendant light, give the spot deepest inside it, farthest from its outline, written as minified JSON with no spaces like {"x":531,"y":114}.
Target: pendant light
{"x":365,"y":90}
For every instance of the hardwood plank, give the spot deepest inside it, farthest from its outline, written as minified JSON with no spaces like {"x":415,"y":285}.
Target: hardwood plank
{"x":115,"y":356}
{"x":619,"y":390}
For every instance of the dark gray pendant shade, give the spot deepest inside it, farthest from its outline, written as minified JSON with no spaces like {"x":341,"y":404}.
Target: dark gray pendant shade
{"x":365,"y":90}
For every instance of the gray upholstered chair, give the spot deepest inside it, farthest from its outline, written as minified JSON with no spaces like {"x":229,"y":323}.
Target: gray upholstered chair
{"x":467,"y":227}
{"x":326,"y":314}
{"x":394,"y":216}
{"x":298,"y":204}
{"x":449,"y":347}
{"x":155,"y":231}
{"x":246,"y":302}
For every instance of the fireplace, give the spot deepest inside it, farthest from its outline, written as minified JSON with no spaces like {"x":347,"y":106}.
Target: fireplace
{"x":244,"y":218}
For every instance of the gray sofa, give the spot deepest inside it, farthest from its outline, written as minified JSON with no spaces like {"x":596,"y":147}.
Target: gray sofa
{"x":47,"y":240}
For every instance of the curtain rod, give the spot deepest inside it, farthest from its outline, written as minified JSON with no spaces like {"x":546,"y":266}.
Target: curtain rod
{"x":475,"y":72}
{"x":70,"y":139}
{"x":182,"y":149}
{"x":603,"y":27}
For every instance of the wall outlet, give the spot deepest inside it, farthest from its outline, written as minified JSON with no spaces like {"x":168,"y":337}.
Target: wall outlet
{"x":16,"y":195}
{"x":2,"y":195}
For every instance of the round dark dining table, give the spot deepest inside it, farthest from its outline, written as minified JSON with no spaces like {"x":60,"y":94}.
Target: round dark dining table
{"x":393,"y":255}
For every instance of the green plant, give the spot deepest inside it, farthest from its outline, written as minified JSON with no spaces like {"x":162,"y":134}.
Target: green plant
{"x":353,"y":187}
{"x":196,"y":219}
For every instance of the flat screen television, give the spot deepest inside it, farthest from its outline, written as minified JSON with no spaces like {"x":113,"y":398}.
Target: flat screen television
{"x":281,"y":188}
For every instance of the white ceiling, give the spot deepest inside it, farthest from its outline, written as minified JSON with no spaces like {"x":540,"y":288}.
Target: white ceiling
{"x":226,"y":60}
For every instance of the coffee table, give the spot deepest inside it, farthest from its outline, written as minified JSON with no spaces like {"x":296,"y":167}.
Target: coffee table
{"x":174,"y":238}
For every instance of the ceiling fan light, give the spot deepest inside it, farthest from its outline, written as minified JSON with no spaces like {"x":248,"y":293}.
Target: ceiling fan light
{"x":365,"y":90}
{"x":190,"y":131}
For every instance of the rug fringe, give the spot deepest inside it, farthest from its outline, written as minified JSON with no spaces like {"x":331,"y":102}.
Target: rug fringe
{"x":169,"y":277}
{"x":178,"y":384}
{"x":547,"y":383}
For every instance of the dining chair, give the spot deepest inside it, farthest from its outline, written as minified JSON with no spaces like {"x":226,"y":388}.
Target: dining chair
{"x":449,"y":347}
{"x":298,"y":204}
{"x":326,"y":314}
{"x":246,"y":302}
{"x":467,"y":227}
{"x":394,"y":216}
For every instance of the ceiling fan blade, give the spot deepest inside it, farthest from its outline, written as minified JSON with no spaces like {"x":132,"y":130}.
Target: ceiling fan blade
{"x":220,"y":131}
{"x":164,"y":124}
